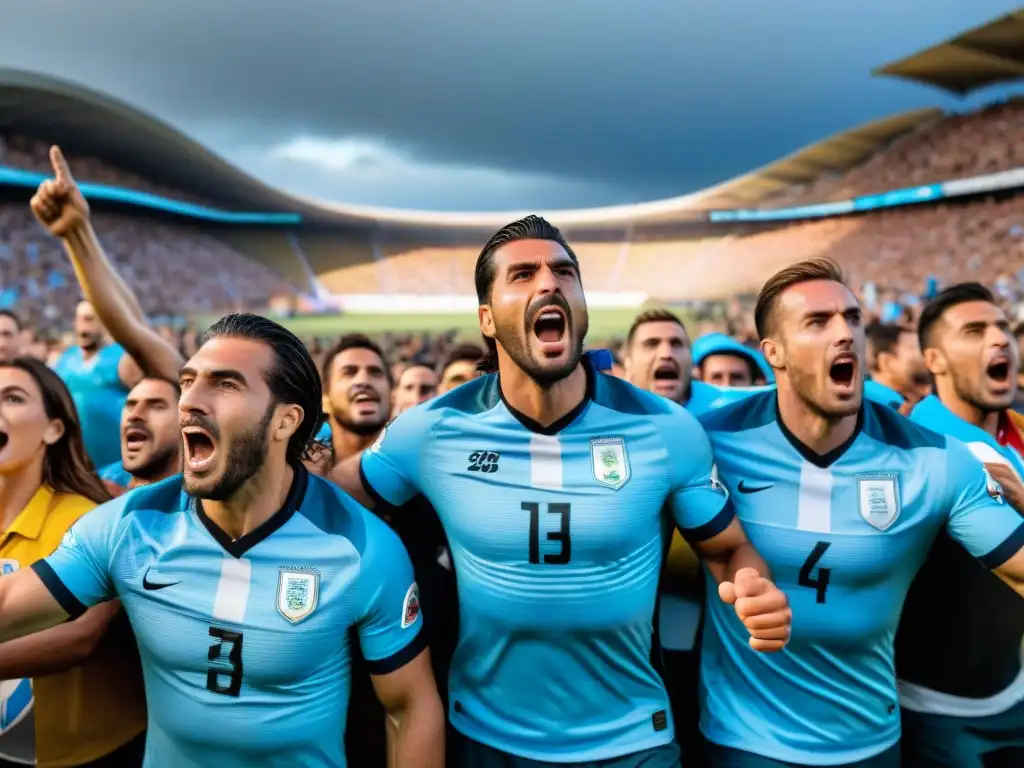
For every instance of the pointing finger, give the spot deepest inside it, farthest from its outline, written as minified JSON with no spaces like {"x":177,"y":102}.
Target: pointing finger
{"x":61,"y":169}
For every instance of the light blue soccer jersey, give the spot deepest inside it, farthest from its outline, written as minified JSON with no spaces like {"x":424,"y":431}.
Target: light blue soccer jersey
{"x":558,"y":535}
{"x":245,"y":644}
{"x":880,"y":393}
{"x":99,"y":396}
{"x":117,"y":474}
{"x":844,"y":535}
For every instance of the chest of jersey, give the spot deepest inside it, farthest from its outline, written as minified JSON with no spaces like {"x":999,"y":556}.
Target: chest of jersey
{"x":239,"y":627}
{"x":843,"y":541}
{"x":553,"y":517}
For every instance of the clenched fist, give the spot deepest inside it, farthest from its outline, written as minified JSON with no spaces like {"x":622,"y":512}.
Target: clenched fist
{"x":58,"y":203}
{"x":762,"y":607}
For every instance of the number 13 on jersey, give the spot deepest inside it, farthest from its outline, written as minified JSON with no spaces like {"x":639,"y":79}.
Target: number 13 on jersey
{"x":558,"y":533}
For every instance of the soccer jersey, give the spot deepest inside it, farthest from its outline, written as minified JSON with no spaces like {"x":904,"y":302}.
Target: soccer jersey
{"x":879,"y":393}
{"x":99,"y":396}
{"x":245,"y":643}
{"x":116,"y":474}
{"x":843,"y":534}
{"x":557,"y":536}
{"x":958,"y":650}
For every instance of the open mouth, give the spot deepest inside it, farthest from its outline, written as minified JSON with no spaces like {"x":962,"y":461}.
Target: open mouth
{"x":666,"y":372}
{"x":200,"y":448}
{"x":842,"y":371}
{"x":135,"y":437}
{"x":365,"y":397}
{"x":3,"y":440}
{"x":998,"y":370}
{"x":549,"y":327}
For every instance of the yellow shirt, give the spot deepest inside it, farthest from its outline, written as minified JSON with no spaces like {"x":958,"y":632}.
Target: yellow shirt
{"x":87,"y":712}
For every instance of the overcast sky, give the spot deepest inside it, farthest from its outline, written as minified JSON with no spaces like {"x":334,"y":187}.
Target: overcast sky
{"x":481,"y":105}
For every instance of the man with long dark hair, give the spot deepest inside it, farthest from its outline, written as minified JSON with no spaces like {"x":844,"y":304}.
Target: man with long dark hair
{"x":242,"y":589}
{"x":551,"y":480}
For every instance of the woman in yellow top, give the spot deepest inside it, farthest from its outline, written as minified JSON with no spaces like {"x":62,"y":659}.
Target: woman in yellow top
{"x":72,"y":695}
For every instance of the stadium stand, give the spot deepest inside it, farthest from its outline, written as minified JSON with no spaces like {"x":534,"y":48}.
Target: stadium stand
{"x":176,"y":269}
{"x":950,"y":147}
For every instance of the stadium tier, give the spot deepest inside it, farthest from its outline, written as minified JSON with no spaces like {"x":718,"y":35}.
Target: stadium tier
{"x":670,"y":257}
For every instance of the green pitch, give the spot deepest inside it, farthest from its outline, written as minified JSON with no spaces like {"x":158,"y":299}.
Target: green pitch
{"x":604,"y":323}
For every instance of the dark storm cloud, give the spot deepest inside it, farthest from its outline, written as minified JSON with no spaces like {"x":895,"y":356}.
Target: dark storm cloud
{"x":609,"y":100}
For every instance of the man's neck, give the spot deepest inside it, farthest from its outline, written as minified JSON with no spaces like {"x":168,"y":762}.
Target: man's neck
{"x":254,"y":503}
{"x":818,"y":432}
{"x":17,"y":490}
{"x":91,"y":352}
{"x":545,"y":405}
{"x":346,"y":443}
{"x":170,"y":470}
{"x":972,"y":414}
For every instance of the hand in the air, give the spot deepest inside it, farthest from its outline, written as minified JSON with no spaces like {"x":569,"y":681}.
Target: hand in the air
{"x":58,"y":203}
{"x":762,"y":607}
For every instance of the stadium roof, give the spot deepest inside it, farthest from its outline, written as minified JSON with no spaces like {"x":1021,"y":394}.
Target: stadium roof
{"x":89,"y":123}
{"x":983,"y":56}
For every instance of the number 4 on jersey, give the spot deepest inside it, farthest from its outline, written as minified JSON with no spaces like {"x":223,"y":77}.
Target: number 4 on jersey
{"x":820,"y":584}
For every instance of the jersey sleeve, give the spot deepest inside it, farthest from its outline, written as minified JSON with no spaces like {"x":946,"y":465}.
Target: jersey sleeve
{"x":78,"y":572}
{"x":699,"y":504}
{"x":391,"y":627}
{"x":980,"y":519}
{"x":390,"y":468}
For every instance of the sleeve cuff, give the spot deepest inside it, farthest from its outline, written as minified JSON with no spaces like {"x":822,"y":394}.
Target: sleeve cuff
{"x":398,"y":660}
{"x":1006,"y":550}
{"x":71,"y":604}
{"x":712,"y":527}
{"x":380,"y":503}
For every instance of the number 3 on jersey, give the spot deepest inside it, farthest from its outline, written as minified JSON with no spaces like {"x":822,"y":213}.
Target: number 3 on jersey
{"x":559,"y":534}
{"x":820,"y":583}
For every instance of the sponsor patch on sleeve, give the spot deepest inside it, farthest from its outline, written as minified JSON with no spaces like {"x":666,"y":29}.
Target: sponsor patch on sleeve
{"x":411,"y":606}
{"x":995,"y":490}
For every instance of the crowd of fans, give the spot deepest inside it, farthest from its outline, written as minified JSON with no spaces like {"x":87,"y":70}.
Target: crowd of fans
{"x":893,"y":256}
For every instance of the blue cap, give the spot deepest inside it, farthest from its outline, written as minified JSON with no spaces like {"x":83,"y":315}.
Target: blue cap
{"x":721,"y":344}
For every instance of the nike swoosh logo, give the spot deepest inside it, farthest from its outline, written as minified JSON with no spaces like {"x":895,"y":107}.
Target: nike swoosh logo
{"x":751,"y":488}
{"x":152,"y":585}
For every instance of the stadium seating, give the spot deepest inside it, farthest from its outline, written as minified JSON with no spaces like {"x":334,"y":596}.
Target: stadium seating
{"x":952,"y":147}
{"x":175,"y":269}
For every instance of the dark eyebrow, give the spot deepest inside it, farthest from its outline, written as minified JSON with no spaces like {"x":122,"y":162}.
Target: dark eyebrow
{"x":520,"y":265}
{"x":219,"y":374}
{"x":976,"y":325}
{"x":15,"y":388}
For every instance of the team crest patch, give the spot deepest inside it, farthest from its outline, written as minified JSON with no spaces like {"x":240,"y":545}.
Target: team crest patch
{"x":878,"y":498}
{"x":297,"y":593}
{"x":411,"y":606}
{"x":8,"y":566}
{"x":610,"y":462}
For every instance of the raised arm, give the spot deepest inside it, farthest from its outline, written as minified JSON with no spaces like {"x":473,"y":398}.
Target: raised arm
{"x":62,"y":209}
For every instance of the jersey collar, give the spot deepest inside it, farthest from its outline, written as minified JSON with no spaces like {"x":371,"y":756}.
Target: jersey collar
{"x":823,"y":460}
{"x":557,"y":426}
{"x":29,"y":522}
{"x":238,"y":547}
